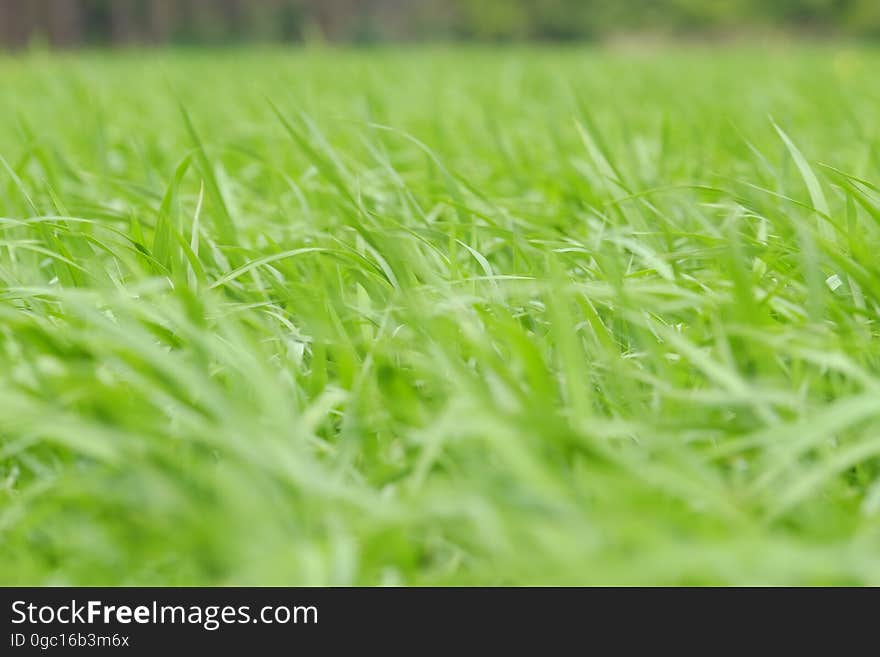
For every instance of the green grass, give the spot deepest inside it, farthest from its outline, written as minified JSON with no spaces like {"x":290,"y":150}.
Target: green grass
{"x":440,"y":317}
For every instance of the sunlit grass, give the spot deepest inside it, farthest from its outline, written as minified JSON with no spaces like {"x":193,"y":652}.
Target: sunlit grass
{"x":440,"y":317}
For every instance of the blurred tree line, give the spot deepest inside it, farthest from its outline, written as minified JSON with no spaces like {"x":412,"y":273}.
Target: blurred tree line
{"x":75,"y":22}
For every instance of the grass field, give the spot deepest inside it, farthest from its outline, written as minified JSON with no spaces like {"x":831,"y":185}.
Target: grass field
{"x":440,"y":316}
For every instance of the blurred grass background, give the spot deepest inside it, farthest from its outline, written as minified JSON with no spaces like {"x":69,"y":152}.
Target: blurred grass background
{"x":102,"y":22}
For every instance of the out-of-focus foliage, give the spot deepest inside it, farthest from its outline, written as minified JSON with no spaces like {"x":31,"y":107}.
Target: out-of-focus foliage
{"x":72,"y":22}
{"x":566,"y":19}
